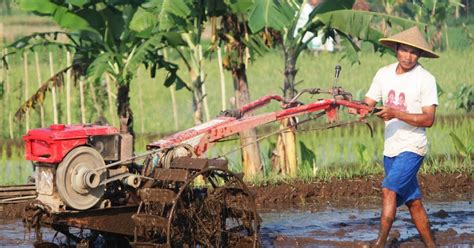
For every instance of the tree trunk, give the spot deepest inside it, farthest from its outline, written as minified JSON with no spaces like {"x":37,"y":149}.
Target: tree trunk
{"x":82,"y":101}
{"x":290,"y":73}
{"x":285,"y":159}
{"x":197,"y":99}
{"x":109,"y":98}
{"x":251,"y":161}
{"x":26,"y":78}
{"x":203,"y":86}
{"x":127,"y":146}
{"x":221,"y":74}
{"x":8,"y":97}
{"x":39,"y":78}
{"x":173,"y":97}
{"x":68,"y":88}
{"x":123,"y":108}
{"x":175,"y":107}
{"x":53,"y":90}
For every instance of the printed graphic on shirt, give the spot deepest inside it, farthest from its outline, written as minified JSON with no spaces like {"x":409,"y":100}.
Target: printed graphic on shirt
{"x":396,"y":102}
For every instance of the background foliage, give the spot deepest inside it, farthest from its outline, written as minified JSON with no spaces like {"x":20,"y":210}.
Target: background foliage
{"x":353,"y":152}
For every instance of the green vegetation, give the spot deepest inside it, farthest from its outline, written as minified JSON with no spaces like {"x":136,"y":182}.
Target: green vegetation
{"x":341,"y":152}
{"x":14,"y":169}
{"x":452,"y":70}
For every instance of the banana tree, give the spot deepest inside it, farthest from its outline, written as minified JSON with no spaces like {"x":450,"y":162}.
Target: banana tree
{"x":435,"y":13}
{"x":240,"y":43}
{"x":186,"y":20}
{"x":234,"y":36}
{"x":104,"y":37}
{"x":327,"y":19}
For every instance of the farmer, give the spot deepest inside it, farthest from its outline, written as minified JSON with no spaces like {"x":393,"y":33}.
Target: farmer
{"x":405,"y":136}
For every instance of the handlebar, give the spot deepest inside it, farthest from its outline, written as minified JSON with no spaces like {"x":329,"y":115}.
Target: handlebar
{"x":335,"y":91}
{"x":338,"y":92}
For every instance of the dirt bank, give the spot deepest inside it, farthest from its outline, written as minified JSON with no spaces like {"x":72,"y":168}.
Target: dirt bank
{"x":12,"y":211}
{"x":358,"y":192}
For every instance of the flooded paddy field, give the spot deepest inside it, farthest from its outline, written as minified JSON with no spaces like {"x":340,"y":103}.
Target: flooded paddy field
{"x":452,"y":222}
{"x":338,"y":213}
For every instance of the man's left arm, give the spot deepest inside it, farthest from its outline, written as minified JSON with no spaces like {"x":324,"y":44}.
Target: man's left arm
{"x":425,"y":119}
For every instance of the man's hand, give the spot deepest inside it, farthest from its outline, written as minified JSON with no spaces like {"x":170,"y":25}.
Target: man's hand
{"x":387,"y":113}
{"x":425,"y":119}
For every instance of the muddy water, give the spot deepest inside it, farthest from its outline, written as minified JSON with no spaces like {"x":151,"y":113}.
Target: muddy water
{"x":12,"y":234}
{"x":351,"y":225}
{"x":339,"y":225}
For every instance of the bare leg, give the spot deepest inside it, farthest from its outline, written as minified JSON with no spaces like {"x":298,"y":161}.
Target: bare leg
{"x":420,"y":219}
{"x":389,"y":208}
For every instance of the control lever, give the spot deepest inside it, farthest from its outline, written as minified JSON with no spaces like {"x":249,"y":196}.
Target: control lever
{"x":338,"y":71}
{"x":336,"y":77}
{"x":376,"y":110}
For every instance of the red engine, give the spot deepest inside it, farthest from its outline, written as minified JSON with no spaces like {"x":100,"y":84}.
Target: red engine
{"x":50,"y":145}
{"x":70,"y":163}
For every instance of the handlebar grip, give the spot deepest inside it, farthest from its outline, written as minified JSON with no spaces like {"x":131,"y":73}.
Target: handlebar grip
{"x":376,"y":110}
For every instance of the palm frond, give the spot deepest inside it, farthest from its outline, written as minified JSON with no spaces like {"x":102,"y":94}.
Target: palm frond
{"x":99,"y":66}
{"x":142,"y":51}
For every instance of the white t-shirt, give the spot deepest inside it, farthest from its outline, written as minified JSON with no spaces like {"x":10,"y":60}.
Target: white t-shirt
{"x":407,"y":92}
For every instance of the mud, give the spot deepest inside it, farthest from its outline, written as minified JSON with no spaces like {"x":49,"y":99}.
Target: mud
{"x":359,"y":192}
{"x":12,"y":211}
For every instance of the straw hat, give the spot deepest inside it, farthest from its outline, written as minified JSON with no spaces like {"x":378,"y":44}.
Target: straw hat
{"x":411,"y":37}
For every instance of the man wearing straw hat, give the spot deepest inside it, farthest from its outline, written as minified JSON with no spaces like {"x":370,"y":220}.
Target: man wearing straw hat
{"x":405,"y":138}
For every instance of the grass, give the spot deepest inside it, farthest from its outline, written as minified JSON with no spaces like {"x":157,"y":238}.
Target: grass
{"x":14,"y":169}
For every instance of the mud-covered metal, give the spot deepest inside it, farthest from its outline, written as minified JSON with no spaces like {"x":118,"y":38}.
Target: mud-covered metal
{"x":213,"y":208}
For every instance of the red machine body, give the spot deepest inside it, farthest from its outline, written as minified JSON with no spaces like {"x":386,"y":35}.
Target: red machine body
{"x":76,"y":162}
{"x":50,"y":145}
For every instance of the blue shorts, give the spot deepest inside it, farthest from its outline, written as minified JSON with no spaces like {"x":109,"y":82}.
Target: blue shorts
{"x":400,"y":176}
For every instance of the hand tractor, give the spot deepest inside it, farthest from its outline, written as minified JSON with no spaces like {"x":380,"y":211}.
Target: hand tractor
{"x":89,"y":178}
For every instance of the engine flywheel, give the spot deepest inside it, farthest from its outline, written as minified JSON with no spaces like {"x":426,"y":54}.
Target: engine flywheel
{"x":77,"y":181}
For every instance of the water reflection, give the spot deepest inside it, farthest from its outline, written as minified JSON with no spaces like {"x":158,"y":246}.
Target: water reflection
{"x":333,"y":224}
{"x":362,"y":224}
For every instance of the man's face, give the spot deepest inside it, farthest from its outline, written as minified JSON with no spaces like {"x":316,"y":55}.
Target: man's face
{"x":407,"y":56}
